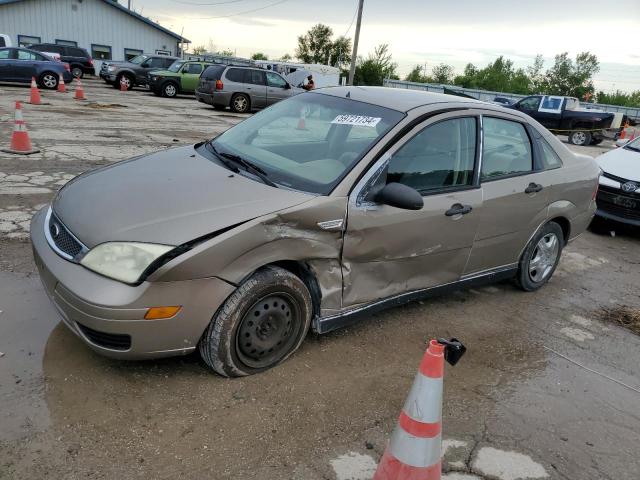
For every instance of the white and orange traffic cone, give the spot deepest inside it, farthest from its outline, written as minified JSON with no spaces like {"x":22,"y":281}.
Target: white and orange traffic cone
{"x":79,"y":95}
{"x":35,"y":93}
{"x":20,"y":141}
{"x":62,"y":88}
{"x":414,"y":450}
{"x":123,"y":84}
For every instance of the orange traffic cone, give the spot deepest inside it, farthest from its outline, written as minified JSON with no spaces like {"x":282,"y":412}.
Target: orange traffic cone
{"x":302,"y":123}
{"x":35,"y":93}
{"x":79,"y":95}
{"x":20,"y":142}
{"x":123,"y":84}
{"x":414,"y":450}
{"x":62,"y":88}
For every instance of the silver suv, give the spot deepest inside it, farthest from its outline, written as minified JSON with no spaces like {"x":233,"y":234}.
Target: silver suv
{"x":242,"y":88}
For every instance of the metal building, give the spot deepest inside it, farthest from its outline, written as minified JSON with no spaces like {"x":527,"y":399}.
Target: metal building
{"x":106,"y":29}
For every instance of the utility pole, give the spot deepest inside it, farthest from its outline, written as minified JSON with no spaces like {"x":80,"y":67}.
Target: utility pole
{"x":354,"y":55}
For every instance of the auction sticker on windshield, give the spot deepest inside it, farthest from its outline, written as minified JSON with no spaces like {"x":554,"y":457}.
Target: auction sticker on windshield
{"x":359,"y":120}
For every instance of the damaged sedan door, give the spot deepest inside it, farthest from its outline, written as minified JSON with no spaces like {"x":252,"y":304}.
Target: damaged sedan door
{"x":388,"y":250}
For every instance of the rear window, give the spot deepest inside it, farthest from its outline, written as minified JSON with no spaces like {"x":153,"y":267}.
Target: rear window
{"x":76,"y":52}
{"x":235,"y":75}
{"x":214,"y":72}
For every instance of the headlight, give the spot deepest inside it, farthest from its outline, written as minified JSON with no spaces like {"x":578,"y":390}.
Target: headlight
{"x":111,"y":68}
{"x":154,"y":78}
{"x":122,"y":260}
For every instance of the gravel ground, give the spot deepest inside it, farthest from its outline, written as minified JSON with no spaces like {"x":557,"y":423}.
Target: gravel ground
{"x":549,"y":387}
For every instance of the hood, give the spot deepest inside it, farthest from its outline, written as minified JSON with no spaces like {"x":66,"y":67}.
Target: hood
{"x":169,"y":197}
{"x":162,"y":72}
{"x":621,"y":162}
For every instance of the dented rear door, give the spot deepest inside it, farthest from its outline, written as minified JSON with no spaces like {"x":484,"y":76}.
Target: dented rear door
{"x":388,"y":251}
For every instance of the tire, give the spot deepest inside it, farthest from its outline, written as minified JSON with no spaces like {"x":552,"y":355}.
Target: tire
{"x":259,"y":326}
{"x":49,"y":80}
{"x":240,"y":103}
{"x":77,"y":72}
{"x":534,"y":274}
{"x":580,"y":137}
{"x":169,"y":89}
{"x":127,"y":79}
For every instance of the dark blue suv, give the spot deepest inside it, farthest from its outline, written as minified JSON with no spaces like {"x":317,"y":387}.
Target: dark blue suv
{"x":20,"y":64}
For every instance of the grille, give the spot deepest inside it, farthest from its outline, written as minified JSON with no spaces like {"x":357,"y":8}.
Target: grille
{"x":613,"y":201}
{"x":114,"y":341}
{"x":63,"y":238}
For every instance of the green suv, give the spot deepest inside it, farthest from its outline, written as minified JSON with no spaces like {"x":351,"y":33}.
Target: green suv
{"x":180,"y":77}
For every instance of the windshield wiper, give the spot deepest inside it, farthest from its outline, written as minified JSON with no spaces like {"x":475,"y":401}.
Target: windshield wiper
{"x":224,"y":161}
{"x":248,"y":166}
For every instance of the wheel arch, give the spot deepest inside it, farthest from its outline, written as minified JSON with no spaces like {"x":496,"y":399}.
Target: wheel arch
{"x":565,"y":225}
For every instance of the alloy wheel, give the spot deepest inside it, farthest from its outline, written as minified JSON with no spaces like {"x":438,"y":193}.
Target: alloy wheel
{"x":240,"y":103}
{"x":49,"y":81}
{"x":544,"y":257}
{"x":170,"y":90}
{"x":268,"y":330}
{"x":579,"y":138}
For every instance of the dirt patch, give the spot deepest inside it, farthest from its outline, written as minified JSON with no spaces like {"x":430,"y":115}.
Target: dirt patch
{"x":105,"y":105}
{"x":626,"y":317}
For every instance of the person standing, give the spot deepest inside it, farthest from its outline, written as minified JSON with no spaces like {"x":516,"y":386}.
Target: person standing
{"x":310,"y":85}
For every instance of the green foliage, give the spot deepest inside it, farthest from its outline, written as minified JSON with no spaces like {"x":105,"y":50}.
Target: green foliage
{"x":620,"y":98}
{"x":286,"y":58}
{"x":317,"y":46}
{"x":567,"y":77}
{"x":226,"y":53}
{"x":199,"y":50}
{"x":259,"y":56}
{"x":442,"y":73}
{"x":378,"y":66}
{"x":417,"y":75}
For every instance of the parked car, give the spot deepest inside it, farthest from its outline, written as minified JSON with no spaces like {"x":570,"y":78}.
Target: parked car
{"x":237,"y":246}
{"x":563,"y":115}
{"x":5,"y":40}
{"x":242,"y":88}
{"x":504,"y":101}
{"x":135,"y":71}
{"x":78,"y":59}
{"x":180,"y":77}
{"x":20,"y":65}
{"x":619,"y":194}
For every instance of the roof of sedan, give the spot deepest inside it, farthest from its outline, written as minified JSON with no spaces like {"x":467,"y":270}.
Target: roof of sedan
{"x":394,"y":98}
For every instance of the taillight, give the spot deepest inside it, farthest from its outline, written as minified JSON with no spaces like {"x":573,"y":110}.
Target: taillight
{"x":219,"y":85}
{"x":91,"y":61}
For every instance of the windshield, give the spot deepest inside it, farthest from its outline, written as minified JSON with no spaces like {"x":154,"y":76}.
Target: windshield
{"x":139,"y":59}
{"x":175,"y":66}
{"x":633,"y":145}
{"x":311,"y":141}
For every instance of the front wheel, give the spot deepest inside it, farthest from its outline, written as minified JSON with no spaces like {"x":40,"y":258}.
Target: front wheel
{"x":580,"y":137}
{"x":77,"y":72}
{"x":260,"y":325}
{"x":169,"y":90}
{"x":49,"y":80}
{"x":540,"y":258}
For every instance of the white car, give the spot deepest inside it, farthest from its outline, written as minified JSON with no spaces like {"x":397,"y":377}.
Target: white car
{"x":619,"y":193}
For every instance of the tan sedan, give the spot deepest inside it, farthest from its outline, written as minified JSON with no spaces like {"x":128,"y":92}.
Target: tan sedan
{"x":319,"y":209}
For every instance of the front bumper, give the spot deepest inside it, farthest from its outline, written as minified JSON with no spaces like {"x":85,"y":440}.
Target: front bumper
{"x":616,"y":205}
{"x":109,"y":316}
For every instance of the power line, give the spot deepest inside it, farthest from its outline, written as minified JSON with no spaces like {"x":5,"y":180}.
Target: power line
{"x":239,"y":13}
{"x":352,"y":20}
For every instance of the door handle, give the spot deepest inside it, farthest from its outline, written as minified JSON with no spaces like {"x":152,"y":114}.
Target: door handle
{"x":533,"y":188}
{"x":458,"y":209}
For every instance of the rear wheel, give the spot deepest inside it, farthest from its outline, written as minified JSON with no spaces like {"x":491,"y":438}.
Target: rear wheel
{"x":540,"y":258}
{"x":260,"y":325}
{"x":580,"y":137}
{"x":240,"y":103}
{"x":124,"y":78}
{"x":49,"y":80}
{"x":77,"y":72}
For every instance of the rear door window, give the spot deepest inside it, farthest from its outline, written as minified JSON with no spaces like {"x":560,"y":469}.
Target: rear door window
{"x":193,"y":68}
{"x":76,"y":52}
{"x":550,"y":158}
{"x":24,"y":55}
{"x":4,"y":54}
{"x":255,"y":77}
{"x":442,"y":156}
{"x":506,"y":149}
{"x":275,"y":80}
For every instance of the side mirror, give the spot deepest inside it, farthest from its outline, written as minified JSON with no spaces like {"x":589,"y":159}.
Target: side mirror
{"x":400,"y":196}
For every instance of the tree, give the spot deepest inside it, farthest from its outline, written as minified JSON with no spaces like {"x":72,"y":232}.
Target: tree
{"x":417,"y":75}
{"x":573,"y":79}
{"x":620,"y":98}
{"x":199,"y":50}
{"x":317,"y":46}
{"x":259,"y":56}
{"x":286,"y":57}
{"x":442,"y":73}
{"x":378,"y":66}
{"x":535,"y":74}
{"x":226,"y":53}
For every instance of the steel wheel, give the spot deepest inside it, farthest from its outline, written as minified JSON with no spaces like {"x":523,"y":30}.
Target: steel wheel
{"x":170,"y":90}
{"x":49,"y":80}
{"x":580,"y":138}
{"x":268,"y":330}
{"x":544,"y":257}
{"x":126,"y":80}
{"x":240,"y":103}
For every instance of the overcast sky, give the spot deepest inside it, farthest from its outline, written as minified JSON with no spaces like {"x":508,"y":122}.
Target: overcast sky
{"x":418,"y":31}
